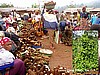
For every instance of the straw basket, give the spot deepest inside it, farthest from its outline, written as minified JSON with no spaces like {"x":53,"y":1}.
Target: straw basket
{"x":50,"y":5}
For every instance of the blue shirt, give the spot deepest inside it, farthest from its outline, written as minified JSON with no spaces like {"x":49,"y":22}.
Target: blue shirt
{"x":84,"y":15}
{"x":97,"y":21}
{"x":93,"y":19}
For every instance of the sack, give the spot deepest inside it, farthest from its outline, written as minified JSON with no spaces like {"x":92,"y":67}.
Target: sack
{"x":56,"y":36}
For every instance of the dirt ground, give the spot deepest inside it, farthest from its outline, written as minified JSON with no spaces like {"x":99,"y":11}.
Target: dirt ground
{"x":62,"y":55}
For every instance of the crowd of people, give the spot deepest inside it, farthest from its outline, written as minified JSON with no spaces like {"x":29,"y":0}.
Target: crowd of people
{"x":10,"y":41}
{"x":12,"y":23}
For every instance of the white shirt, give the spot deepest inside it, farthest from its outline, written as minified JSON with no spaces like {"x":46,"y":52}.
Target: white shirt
{"x":37,"y":18}
{"x":6,"y":57}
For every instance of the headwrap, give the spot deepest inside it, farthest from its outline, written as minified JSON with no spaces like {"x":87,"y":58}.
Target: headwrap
{"x":4,"y":40}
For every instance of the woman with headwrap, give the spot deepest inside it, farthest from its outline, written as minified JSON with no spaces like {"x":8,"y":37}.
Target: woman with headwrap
{"x":17,"y":66}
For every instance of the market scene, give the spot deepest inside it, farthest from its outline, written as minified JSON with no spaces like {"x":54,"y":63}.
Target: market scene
{"x":42,"y":41}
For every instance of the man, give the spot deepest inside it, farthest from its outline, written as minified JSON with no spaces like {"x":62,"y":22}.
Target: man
{"x":93,"y":19}
{"x":84,"y":15}
{"x":96,"y":25}
{"x":7,"y":19}
{"x":98,"y":19}
{"x":62,"y":16}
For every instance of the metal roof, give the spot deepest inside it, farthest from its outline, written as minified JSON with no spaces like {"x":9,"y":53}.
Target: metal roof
{"x":17,"y":9}
{"x":75,"y":9}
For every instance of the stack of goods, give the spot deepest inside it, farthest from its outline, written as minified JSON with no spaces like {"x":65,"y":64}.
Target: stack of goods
{"x":31,"y":52}
{"x":60,"y":71}
{"x":38,"y":27}
{"x":27,"y":29}
{"x":32,"y":57}
{"x":50,"y":5}
{"x":39,"y":69}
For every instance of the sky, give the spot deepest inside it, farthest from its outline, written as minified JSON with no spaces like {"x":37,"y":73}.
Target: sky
{"x":28,"y":3}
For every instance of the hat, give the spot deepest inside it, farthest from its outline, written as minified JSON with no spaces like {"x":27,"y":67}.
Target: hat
{"x":4,"y":40}
{"x":98,"y":13}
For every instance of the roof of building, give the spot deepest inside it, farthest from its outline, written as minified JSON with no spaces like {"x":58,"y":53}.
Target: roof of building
{"x":75,"y":9}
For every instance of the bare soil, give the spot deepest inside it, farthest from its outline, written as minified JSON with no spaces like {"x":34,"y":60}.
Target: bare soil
{"x":62,"y":54}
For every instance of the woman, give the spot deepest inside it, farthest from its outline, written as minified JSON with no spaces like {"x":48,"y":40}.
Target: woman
{"x":18,"y":67}
{"x":78,"y":15}
{"x":15,"y":26}
{"x":6,"y":58}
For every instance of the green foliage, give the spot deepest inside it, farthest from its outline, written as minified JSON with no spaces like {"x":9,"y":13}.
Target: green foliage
{"x":85,"y":52}
{"x":4,"y":5}
{"x":35,"y":6}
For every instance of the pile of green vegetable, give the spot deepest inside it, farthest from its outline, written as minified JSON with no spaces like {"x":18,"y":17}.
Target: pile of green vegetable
{"x":85,"y":51}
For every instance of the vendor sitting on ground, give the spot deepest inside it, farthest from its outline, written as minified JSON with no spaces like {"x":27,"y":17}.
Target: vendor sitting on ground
{"x":6,"y":58}
{"x":18,"y":68}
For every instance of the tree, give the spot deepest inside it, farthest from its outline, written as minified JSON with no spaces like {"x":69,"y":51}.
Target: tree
{"x":81,"y":5}
{"x":35,"y":6}
{"x":4,"y":5}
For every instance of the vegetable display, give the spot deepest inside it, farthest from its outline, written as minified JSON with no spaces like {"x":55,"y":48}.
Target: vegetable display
{"x":85,"y":51}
